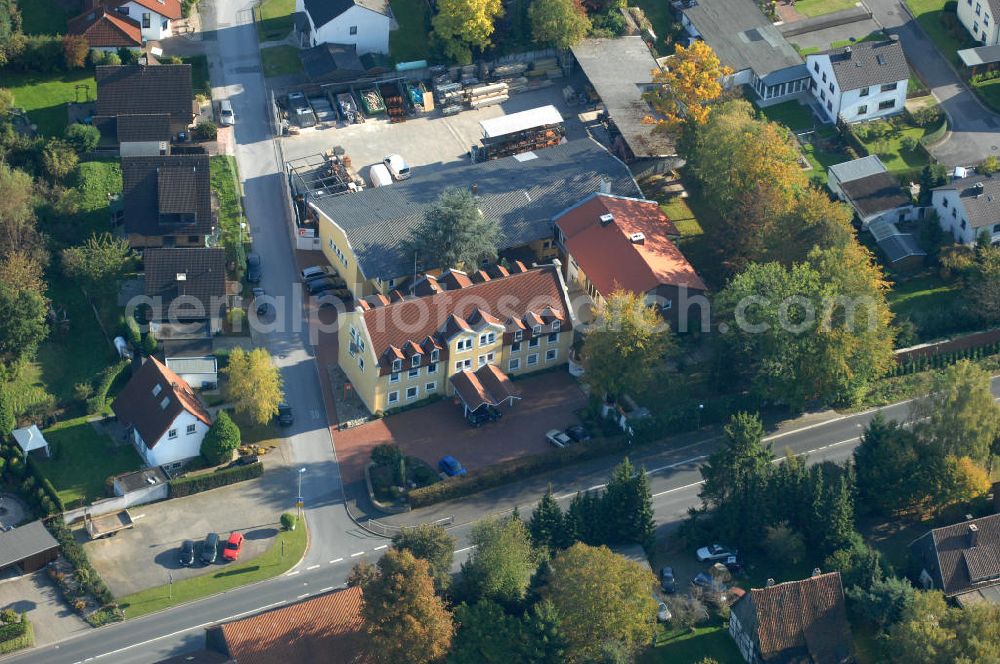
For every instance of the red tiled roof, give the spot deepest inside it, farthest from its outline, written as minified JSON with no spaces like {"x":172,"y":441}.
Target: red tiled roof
{"x":450,"y":311}
{"x":152,"y":414}
{"x":104,"y":28}
{"x":488,"y":386}
{"x":169,"y":8}
{"x":611,"y":260}
{"x":328,"y":629}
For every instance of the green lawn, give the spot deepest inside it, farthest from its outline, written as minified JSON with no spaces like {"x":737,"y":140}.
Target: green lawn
{"x":792,"y":114}
{"x":702,"y":249}
{"x":989,"y":92}
{"x":84,"y":460}
{"x":677,"y":210}
{"x":940,"y":27}
{"x":20,"y":642}
{"x":410,"y":42}
{"x":821,"y":160}
{"x":280,"y":61}
{"x":200,"y":82}
{"x":686,"y":647}
{"x":276,"y":560}
{"x":924,"y":293}
{"x":658,"y":13}
{"x":892,"y":154}
{"x":43,"y":17}
{"x":820,"y":7}
{"x":44,"y":96}
{"x":226,"y":185}
{"x":275,"y":18}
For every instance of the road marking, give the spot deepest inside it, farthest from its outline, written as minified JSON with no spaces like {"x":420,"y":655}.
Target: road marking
{"x":335,"y":561}
{"x":596,"y":487}
{"x":327,"y":589}
{"x":312,"y":567}
{"x":359,"y":553}
{"x":293,"y":573}
{"x":384,"y":546}
{"x":675,"y":465}
{"x":303,"y":596}
{"x":679,"y":488}
{"x":466,"y":549}
{"x":138,"y":516}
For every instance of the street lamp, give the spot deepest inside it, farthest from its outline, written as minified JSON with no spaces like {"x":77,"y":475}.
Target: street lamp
{"x":243,"y":227}
{"x":298,"y":500}
{"x":701,"y":407}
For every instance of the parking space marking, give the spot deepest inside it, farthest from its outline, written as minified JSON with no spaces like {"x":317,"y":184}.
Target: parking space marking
{"x":384,"y":546}
{"x":312,"y":567}
{"x":334,"y":562}
{"x":359,"y":553}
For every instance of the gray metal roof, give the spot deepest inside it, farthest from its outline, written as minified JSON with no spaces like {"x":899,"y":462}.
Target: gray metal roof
{"x":23,"y":542}
{"x":982,"y":55}
{"x":898,"y":247}
{"x":193,"y":365}
{"x":621,"y":70}
{"x":866,"y":64}
{"x":742,"y":36}
{"x":981,"y":209}
{"x":857,"y":168}
{"x":523,"y":193}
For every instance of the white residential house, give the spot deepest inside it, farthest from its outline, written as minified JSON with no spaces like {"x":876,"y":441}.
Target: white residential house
{"x":154,"y":16}
{"x":980,"y":18}
{"x":363,"y":23}
{"x":863,"y":81}
{"x":969,"y":207}
{"x":164,"y":416}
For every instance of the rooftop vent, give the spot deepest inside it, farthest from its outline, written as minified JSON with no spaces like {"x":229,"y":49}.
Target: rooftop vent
{"x":816,"y":572}
{"x":979,"y":189}
{"x":607,"y":219}
{"x":770,"y":582}
{"x":637,"y":238}
{"x":182,"y":276}
{"x":973,"y":535}
{"x":847,"y":50}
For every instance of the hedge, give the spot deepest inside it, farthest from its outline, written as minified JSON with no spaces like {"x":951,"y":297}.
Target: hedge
{"x":186,"y":486}
{"x":19,"y":641}
{"x":941,"y":360}
{"x":13,"y":630}
{"x":45,"y":484}
{"x":99,"y":401}
{"x":77,"y":557}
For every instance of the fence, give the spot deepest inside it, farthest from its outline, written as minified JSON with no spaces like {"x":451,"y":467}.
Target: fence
{"x":958,"y":345}
{"x":389,"y":530}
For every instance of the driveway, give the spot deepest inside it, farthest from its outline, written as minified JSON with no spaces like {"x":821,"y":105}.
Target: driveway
{"x":549,"y":402}
{"x":143,"y":557}
{"x":36,"y":595}
{"x":975,"y":130}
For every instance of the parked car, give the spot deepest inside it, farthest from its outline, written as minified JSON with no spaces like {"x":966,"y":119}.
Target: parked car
{"x":317,"y":286}
{"x":186,"y":556}
{"x":317,"y":271}
{"x":246,"y":460}
{"x":733,"y":564}
{"x":233,"y":546}
{"x":703,"y":580}
{"x":578,"y":433}
{"x":667,"y":581}
{"x":379,"y":175}
{"x":483,"y":415}
{"x":285,"y":417}
{"x":226,"y":116}
{"x":262,"y":307}
{"x":210,"y":548}
{"x":451,"y":467}
{"x":254,"y":271}
{"x":558,"y":438}
{"x":397,"y":166}
{"x":663,"y":613}
{"x":714,"y":552}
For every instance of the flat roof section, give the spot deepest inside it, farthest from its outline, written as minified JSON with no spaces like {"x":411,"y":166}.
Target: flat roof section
{"x":509,"y":124}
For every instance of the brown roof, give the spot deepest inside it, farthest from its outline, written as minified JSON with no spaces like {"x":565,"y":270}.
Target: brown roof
{"x":327,"y":629}
{"x":140,"y":89}
{"x":607,"y":253}
{"x":802,"y":620}
{"x":875,"y":193}
{"x":152,"y":414}
{"x":198,"y":275}
{"x":536,"y":294}
{"x":103,"y":28}
{"x":488,"y":386}
{"x":964,"y":567}
{"x":167,"y":8}
{"x":143,"y":127}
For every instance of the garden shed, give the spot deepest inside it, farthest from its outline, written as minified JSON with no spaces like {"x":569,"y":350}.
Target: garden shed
{"x":31,"y":438}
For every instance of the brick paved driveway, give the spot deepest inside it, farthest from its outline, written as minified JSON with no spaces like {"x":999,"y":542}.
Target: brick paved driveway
{"x":549,"y":401}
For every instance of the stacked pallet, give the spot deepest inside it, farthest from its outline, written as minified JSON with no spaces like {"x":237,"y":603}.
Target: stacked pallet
{"x":488,"y":94}
{"x":394,"y":104}
{"x":545,"y":68}
{"x":509,"y":71}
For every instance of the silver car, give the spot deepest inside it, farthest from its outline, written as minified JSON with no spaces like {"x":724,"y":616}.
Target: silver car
{"x":226,"y":116}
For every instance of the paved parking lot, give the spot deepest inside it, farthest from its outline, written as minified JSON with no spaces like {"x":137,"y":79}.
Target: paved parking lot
{"x":37,"y":595}
{"x":142,"y":557}
{"x":549,"y":402}
{"x":430,"y":141}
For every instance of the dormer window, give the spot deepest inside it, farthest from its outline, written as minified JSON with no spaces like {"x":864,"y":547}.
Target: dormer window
{"x":415,"y":361}
{"x":555,"y":325}
{"x":536,"y":330}
{"x":518,"y":335}
{"x":397,"y":365}
{"x":435,"y":355}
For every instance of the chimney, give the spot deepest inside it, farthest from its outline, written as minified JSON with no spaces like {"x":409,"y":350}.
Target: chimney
{"x":979,"y":189}
{"x":816,"y":572}
{"x":770,"y":582}
{"x":475,"y":189}
{"x":605,"y":186}
{"x":606,"y":219}
{"x":973,"y":535}
{"x":847,"y":50}
{"x":637,"y":238}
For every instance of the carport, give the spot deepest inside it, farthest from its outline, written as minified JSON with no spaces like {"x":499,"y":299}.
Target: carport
{"x":30,"y":547}
{"x":483,"y":391}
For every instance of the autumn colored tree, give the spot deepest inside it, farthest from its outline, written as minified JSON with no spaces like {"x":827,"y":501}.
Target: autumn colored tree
{"x":812,"y":221}
{"x":430,"y":543}
{"x":959,"y":480}
{"x":75,"y":49}
{"x":254,"y":384}
{"x":601,"y":598}
{"x":689,"y":84}
{"x":959,"y":417}
{"x":405,"y":620}
{"x":59,"y":159}
{"x":462,"y":25}
{"x":932,"y":632}
{"x":558,"y":23}
{"x":19,"y":269}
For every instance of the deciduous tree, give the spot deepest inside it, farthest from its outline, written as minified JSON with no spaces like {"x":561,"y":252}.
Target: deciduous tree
{"x":83,"y":138}
{"x":502,"y":562}
{"x":254,"y":384}
{"x":22,"y":325}
{"x":931,"y":632}
{"x":455,"y":234}
{"x":59,"y":159}
{"x":462,"y":25}
{"x":601,"y":597}
{"x":430,"y":543}
{"x":558,"y":23}
{"x":222,"y":439}
{"x":982,"y":292}
{"x":625,"y":346}
{"x":959,"y":417}
{"x":75,"y":49}
{"x":18,"y":231}
{"x":686,"y":88}
{"x":405,"y":620}
{"x":99,"y":264}
{"x":7,"y":421}
{"x":22,"y":272}
{"x":812,"y":220}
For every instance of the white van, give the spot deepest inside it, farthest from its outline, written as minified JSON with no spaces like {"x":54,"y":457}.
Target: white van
{"x":379,"y":175}
{"x":397,"y":166}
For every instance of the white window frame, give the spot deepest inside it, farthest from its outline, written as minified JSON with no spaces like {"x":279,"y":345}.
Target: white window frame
{"x":553,"y":338}
{"x":397,"y":366}
{"x":553,"y":352}
{"x":416,"y":392}
{"x":172,"y":434}
{"x":192,"y":428}
{"x":533,"y":359}
{"x":413,"y":373}
{"x":415,"y":361}
{"x":432,"y":368}
{"x":394,"y":377}
{"x":556,"y":325}
{"x":518,"y":335}
{"x":536,"y":330}
{"x":462,"y":365}
{"x":514,"y":364}
{"x":486,"y":359}
{"x":435,"y":355}
{"x":393,"y":397}
{"x":431,"y":387}
{"x":533,"y":342}
{"x":515,"y":347}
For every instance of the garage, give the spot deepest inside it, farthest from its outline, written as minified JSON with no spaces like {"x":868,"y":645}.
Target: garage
{"x":28,"y":548}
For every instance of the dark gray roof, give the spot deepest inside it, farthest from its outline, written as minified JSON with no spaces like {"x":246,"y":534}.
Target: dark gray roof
{"x":868,"y":63}
{"x":898,"y":247}
{"x":981,"y":209}
{"x":203,"y":270}
{"x":146,"y":213}
{"x":142,"y":89}
{"x":140,"y":479}
{"x":23,"y":542}
{"x":144,"y":127}
{"x":876,"y":193}
{"x":329,"y":62}
{"x":523,"y":193}
{"x":857,"y":168}
{"x":982,"y":55}
{"x":963,"y":567}
{"x":742,"y":36}
{"x":324,"y":11}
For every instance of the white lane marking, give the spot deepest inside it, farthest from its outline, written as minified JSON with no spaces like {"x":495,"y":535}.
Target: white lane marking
{"x":675,"y":465}
{"x":293,"y":573}
{"x":312,"y":567}
{"x":679,"y":488}
{"x":359,"y":553}
{"x":327,"y":589}
{"x":596,"y":487}
{"x":303,"y":596}
{"x":468,"y":548}
{"x":384,"y":546}
{"x":335,"y":561}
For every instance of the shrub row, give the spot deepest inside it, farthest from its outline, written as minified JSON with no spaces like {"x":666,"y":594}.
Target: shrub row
{"x":99,"y":401}
{"x":13,"y":630}
{"x":34,"y":487}
{"x":77,"y":557}
{"x":941,"y":360}
{"x":976,"y":79}
{"x":186,"y":486}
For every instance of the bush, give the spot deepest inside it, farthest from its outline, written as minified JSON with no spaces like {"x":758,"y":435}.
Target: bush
{"x":206,"y":131}
{"x":75,"y":49}
{"x":386,"y":454}
{"x":59,"y":159}
{"x":288,"y":521}
{"x":83,"y":138}
{"x":99,"y":401}
{"x":989,"y":166}
{"x":149,"y":344}
{"x":77,"y":557}
{"x":186,"y":486}
{"x":112,"y":59}
{"x":221,"y":440}
{"x":12,"y":631}
{"x":909,"y":143}
{"x":36,"y":53}
{"x":45,"y":487}
{"x":133,"y":335}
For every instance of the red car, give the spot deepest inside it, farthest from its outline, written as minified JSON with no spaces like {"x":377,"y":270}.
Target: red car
{"x":233,"y":546}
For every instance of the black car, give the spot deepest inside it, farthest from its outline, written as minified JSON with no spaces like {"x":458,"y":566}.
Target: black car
{"x":317,"y":286}
{"x":210,"y":549}
{"x":667,"y":581}
{"x":186,"y":556}
{"x":578,"y":433}
{"x":285,"y":417}
{"x":253,"y":268}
